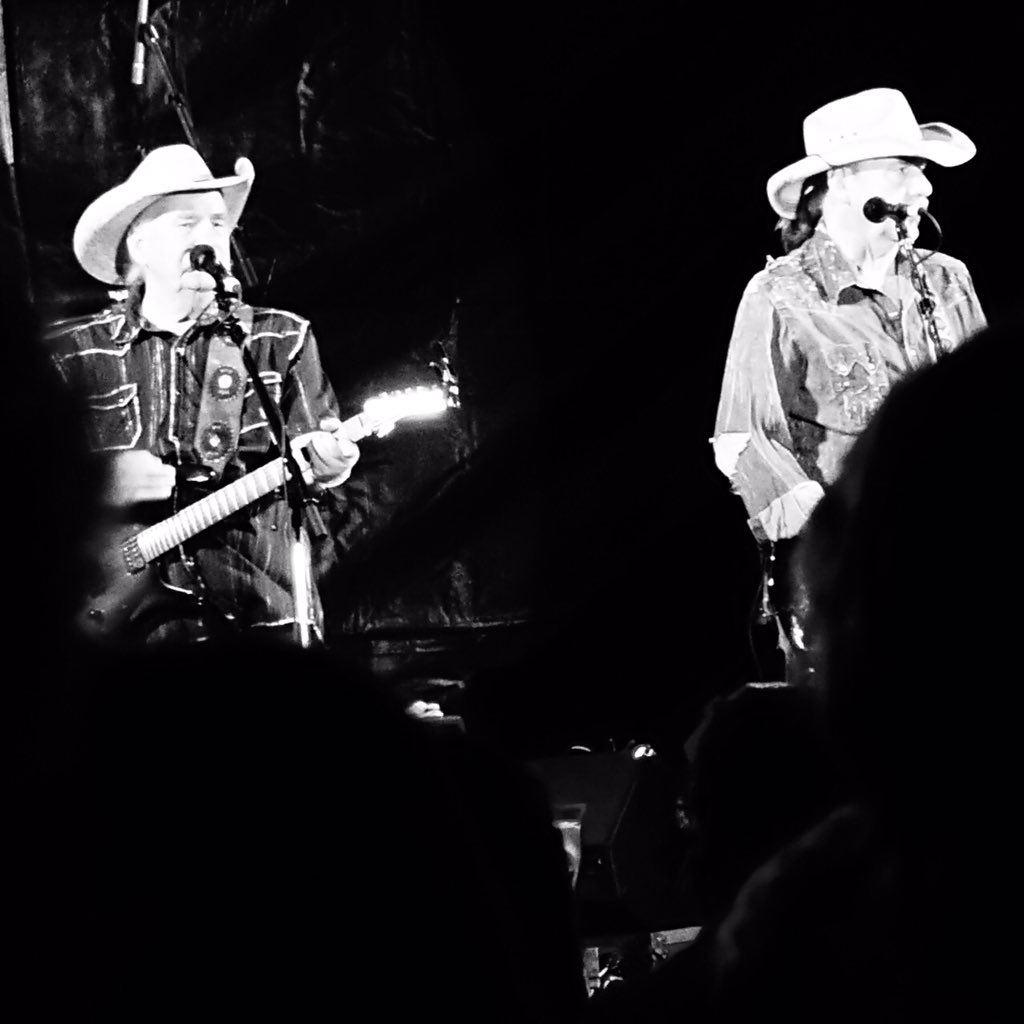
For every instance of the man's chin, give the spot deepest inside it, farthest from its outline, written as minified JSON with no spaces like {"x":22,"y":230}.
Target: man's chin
{"x":890,"y":233}
{"x":194,"y":301}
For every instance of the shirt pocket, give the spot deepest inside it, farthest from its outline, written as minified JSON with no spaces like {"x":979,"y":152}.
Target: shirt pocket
{"x":255,"y":432}
{"x":113,"y":419}
{"x":857,"y":384}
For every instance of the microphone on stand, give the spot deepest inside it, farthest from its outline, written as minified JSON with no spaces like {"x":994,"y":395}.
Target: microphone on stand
{"x":202,"y":257}
{"x":139,"y":61}
{"x":877,"y":209}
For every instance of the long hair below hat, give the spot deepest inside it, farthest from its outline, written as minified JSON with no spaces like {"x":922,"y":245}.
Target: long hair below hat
{"x":870,"y":124}
{"x":165,"y":171}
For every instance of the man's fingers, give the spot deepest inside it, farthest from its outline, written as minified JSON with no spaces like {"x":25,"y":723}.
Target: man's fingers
{"x":152,"y":492}
{"x":330,"y":457}
{"x":139,"y":476}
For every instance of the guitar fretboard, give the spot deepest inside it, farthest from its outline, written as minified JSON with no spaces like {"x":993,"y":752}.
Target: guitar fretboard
{"x":378,"y":416}
{"x":158,"y":539}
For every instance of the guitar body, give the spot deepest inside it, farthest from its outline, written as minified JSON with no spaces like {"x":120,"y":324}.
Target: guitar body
{"x":117,"y":599}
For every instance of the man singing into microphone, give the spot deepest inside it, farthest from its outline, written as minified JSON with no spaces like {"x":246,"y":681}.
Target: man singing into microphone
{"x":170,"y":403}
{"x":823,"y":332}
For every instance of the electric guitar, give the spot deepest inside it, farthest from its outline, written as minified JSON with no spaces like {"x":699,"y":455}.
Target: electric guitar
{"x":127,"y":565}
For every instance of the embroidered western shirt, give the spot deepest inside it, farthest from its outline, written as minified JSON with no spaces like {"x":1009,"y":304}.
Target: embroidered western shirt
{"x":811,"y":357}
{"x":142,"y":389}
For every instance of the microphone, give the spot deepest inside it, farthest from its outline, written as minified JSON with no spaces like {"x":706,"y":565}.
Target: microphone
{"x":139,"y":62}
{"x":877,"y":209}
{"x":202,"y":257}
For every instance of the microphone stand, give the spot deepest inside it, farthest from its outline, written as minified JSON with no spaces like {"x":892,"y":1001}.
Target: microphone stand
{"x":925,"y":300}
{"x":300,"y":500}
{"x":297,"y":492}
{"x":149,"y":37}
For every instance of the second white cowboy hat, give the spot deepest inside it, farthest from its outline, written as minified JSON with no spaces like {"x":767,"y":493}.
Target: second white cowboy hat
{"x":164,"y":171}
{"x":869,"y":124}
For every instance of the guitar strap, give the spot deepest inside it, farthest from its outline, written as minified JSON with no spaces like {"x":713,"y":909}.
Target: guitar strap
{"x":220,"y":408}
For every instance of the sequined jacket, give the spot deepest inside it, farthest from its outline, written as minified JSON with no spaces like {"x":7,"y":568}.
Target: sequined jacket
{"x":811,"y":357}
{"x":142,"y":389}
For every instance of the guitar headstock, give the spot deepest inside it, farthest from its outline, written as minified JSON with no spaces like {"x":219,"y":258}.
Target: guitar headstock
{"x":381,"y":413}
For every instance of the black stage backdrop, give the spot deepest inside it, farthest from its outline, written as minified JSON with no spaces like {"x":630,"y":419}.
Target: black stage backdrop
{"x":570,"y":197}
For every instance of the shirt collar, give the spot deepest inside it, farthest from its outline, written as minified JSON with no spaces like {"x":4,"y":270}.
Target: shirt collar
{"x":833,"y":270}
{"x":133,"y":324}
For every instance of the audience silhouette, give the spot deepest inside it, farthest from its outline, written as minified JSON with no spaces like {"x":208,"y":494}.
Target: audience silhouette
{"x":760,"y":775}
{"x":900,"y":905}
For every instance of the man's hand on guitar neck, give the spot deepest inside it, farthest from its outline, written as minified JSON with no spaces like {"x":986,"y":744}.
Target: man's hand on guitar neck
{"x":137,"y":476}
{"x":329,"y":453}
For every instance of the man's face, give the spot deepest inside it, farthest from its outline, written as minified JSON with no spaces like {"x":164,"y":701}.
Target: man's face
{"x":897,"y":180}
{"x":161,"y":239}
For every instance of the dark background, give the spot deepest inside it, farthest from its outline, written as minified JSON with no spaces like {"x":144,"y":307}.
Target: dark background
{"x":571,"y":197}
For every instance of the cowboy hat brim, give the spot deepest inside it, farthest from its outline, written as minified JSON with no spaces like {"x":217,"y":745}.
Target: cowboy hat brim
{"x":102,"y":227}
{"x":939,"y":143}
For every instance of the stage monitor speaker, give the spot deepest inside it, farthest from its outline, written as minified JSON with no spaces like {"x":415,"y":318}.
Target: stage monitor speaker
{"x":630,"y":836}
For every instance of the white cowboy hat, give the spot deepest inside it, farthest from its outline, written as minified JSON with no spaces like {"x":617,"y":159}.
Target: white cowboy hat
{"x":169,"y":169}
{"x":869,"y":124}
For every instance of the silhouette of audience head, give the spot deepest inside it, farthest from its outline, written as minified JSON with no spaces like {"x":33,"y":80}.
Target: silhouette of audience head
{"x":911,"y":561}
{"x":258,"y":828}
{"x":907,"y":560}
{"x":760,"y":775}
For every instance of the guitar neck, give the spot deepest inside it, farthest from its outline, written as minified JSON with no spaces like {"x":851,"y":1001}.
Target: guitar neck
{"x":169,"y":533}
{"x":161,"y":537}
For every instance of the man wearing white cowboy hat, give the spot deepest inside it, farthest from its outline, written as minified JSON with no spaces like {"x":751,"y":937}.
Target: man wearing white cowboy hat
{"x":168,"y":395}
{"x":823,"y":333}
